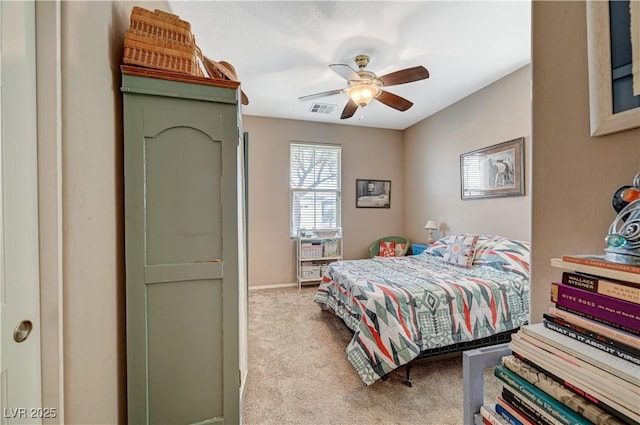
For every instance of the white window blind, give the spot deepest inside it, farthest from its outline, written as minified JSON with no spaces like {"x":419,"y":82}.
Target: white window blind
{"x":315,"y":172}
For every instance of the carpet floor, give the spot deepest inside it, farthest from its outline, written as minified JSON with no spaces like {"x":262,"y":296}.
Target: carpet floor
{"x":299,"y":373}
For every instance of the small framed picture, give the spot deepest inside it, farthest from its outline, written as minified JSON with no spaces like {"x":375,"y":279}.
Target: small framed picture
{"x":373,"y":193}
{"x":493,"y":171}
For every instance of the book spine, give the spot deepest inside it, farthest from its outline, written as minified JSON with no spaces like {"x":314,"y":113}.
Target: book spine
{"x":592,"y":342}
{"x":490,"y":415}
{"x":631,"y":278}
{"x":597,"y":319}
{"x":620,"y":290}
{"x":582,"y":393}
{"x":552,"y":385}
{"x":508,"y":413}
{"x":616,"y":311}
{"x":526,"y":407}
{"x":564,"y":368}
{"x":596,"y":262}
{"x":539,"y":397}
{"x":592,"y":338}
{"x":609,"y":331}
{"x":586,"y":363}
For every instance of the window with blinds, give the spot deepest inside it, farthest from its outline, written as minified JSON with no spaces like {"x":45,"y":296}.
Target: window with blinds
{"x":315,"y":172}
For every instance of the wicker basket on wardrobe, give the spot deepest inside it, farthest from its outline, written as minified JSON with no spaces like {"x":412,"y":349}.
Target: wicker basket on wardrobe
{"x":161,"y":40}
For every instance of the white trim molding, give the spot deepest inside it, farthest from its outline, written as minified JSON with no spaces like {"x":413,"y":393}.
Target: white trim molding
{"x":49,"y":95}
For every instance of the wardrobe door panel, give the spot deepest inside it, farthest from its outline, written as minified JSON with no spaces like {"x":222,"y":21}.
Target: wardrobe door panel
{"x":185,"y":354}
{"x":183,"y":173}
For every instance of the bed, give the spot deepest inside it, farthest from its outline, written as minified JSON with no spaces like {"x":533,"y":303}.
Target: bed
{"x":463,"y":291}
{"x":373,"y":201}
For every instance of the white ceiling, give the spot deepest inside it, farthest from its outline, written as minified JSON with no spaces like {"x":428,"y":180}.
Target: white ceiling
{"x":281,"y":50}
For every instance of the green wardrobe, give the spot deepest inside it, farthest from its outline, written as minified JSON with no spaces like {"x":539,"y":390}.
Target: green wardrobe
{"x":185,"y":249}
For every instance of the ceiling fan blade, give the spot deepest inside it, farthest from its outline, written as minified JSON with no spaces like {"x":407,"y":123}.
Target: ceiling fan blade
{"x":323,"y":94}
{"x":349,"y":109}
{"x":394,"y":101}
{"x":404,"y":76}
{"x":345,"y":71}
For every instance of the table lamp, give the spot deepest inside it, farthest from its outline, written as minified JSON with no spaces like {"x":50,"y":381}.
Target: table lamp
{"x":430,"y":226}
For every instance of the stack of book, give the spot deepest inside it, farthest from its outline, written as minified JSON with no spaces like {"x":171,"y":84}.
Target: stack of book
{"x":581,"y":364}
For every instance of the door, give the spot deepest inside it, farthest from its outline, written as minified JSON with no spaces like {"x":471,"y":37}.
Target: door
{"x":20,"y":377}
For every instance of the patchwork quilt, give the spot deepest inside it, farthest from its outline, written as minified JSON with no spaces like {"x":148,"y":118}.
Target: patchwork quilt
{"x":401,"y":306}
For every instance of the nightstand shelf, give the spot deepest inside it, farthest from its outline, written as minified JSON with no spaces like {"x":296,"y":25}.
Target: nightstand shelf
{"x":418,"y":248}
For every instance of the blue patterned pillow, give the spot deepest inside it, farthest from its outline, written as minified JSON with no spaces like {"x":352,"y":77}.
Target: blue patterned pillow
{"x":460,"y":250}
{"x":438,"y":248}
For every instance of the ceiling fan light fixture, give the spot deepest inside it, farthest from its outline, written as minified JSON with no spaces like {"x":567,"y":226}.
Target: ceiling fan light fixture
{"x":363,"y":92}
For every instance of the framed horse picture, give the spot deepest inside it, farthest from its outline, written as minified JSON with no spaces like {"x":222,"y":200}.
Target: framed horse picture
{"x":493,"y":171}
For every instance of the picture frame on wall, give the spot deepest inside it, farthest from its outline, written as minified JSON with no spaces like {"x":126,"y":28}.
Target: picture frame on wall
{"x":614,"y":104}
{"x":494,"y":171}
{"x":371,"y":193}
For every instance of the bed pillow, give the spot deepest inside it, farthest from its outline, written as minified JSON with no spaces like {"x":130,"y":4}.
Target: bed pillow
{"x":387,"y":249}
{"x":438,"y":248}
{"x":504,"y":254}
{"x":485,"y":244}
{"x":460,"y":250}
{"x":399,"y":249}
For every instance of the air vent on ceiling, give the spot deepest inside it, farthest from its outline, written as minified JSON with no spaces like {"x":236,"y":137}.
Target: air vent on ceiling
{"x":322,"y":108}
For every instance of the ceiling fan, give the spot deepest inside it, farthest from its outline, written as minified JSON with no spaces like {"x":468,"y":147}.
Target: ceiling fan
{"x":363,"y":86}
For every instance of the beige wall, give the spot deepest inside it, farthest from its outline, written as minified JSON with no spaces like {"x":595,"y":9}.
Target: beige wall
{"x":574,"y":174}
{"x":94,"y":367}
{"x":495,"y":114}
{"x":366,"y":153}
{"x":84,"y":195}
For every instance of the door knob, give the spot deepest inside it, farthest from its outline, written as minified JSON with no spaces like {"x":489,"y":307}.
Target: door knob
{"x":22,"y":331}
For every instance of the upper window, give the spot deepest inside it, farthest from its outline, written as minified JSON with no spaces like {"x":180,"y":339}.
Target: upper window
{"x":315,"y":186}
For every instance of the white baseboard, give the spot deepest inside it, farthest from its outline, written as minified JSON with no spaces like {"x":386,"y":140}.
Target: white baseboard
{"x":276,"y":286}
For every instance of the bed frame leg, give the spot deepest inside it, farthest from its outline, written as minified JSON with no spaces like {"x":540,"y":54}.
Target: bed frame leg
{"x":408,"y":380}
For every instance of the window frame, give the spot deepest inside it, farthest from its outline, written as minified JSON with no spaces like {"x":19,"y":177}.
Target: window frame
{"x":315,"y":147}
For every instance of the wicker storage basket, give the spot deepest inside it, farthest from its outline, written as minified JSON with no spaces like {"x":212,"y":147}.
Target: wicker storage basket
{"x":156,"y":52}
{"x":310,"y":272}
{"x":311,"y":251}
{"x":161,"y":24}
{"x":161,"y":40}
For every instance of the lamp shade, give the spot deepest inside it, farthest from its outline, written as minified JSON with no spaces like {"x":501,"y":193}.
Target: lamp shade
{"x":363,"y":93}
{"x":430,"y":225}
